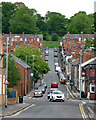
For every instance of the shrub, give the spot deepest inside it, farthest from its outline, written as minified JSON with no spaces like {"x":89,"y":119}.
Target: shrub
{"x":54,"y":37}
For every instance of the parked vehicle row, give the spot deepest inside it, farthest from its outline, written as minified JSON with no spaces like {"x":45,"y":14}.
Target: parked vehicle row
{"x":41,"y":90}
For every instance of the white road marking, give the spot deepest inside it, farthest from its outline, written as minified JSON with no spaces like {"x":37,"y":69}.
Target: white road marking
{"x":90,"y":110}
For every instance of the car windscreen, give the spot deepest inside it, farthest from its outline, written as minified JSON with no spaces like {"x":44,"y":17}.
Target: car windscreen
{"x":57,"y":92}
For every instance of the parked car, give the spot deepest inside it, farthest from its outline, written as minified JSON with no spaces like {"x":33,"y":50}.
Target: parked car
{"x":62,"y":78}
{"x":57,"y":95}
{"x":49,"y":92}
{"x":57,"y":68}
{"x":56,"y":64}
{"x":46,"y":58}
{"x":54,"y":85}
{"x":46,"y":52}
{"x":46,"y":48}
{"x":55,"y":49}
{"x":44,"y":84}
{"x":55,"y":54}
{"x":42,"y":88}
{"x":58,"y":72}
{"x":38,"y":93}
{"x":55,"y":59}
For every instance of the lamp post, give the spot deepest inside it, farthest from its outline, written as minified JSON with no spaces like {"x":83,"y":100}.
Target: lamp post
{"x":32,"y":71}
{"x":82,"y":49}
{"x":6,"y":72}
{"x":80,"y":73}
{"x":25,"y":76}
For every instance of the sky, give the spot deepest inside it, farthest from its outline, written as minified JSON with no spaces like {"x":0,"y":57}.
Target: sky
{"x":65,"y":7}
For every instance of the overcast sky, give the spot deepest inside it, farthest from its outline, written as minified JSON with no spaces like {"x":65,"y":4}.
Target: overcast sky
{"x":65,"y":7}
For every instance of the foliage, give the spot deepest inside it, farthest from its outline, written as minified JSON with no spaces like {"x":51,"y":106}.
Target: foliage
{"x":23,"y":20}
{"x":81,"y":22}
{"x":88,"y":43}
{"x":40,"y":66}
{"x":8,"y":93}
{"x":56,"y":23}
{"x":14,"y":75}
{"x":54,"y":37}
{"x":7,"y":11}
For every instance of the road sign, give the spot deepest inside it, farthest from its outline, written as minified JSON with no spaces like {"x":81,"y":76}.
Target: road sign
{"x":82,"y":79}
{"x":6,"y":82}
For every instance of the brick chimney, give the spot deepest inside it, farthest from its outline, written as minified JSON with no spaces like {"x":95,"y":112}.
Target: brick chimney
{"x":23,"y":34}
{"x":68,"y":35}
{"x":82,"y":40}
{"x":10,"y":34}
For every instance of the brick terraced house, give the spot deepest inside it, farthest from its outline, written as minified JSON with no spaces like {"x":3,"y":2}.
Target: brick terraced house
{"x":16,"y":40}
{"x":25,"y":84}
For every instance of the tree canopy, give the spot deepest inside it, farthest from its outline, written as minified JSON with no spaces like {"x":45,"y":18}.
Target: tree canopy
{"x":14,"y":75}
{"x":23,"y":20}
{"x":40,"y":66}
{"x":18,"y":18}
{"x":81,"y":22}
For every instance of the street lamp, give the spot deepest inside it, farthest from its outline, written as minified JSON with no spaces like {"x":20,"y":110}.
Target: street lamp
{"x":82,"y":48}
{"x":32,"y":70}
{"x":6,"y":71}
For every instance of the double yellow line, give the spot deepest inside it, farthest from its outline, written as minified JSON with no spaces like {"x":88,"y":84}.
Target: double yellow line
{"x":82,"y":112}
{"x":69,"y":92}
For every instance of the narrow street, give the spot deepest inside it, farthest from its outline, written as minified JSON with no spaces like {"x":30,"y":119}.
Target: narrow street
{"x":43,"y":108}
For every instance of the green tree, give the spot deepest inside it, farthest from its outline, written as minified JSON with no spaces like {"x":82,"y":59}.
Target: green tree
{"x":23,"y":20}
{"x":54,"y":37}
{"x":7,"y":11}
{"x":56,"y":23}
{"x":88,"y":43}
{"x":42,"y":26}
{"x":81,"y":22}
{"x":14,"y":75}
{"x":40,"y":66}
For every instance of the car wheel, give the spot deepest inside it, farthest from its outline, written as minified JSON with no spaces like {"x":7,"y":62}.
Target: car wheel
{"x":62,"y":100}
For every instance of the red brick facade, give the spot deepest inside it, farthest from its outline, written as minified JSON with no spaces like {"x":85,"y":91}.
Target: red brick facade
{"x":21,"y":87}
{"x":16,"y":40}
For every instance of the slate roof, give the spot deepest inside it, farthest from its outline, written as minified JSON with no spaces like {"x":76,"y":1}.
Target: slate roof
{"x":20,"y":62}
{"x":74,"y":36}
{"x":25,"y":35}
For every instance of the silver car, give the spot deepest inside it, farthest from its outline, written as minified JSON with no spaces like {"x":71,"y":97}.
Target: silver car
{"x":38,"y":93}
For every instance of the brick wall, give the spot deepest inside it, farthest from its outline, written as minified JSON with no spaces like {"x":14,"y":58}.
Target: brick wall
{"x":15,"y":40}
{"x":22,"y":82}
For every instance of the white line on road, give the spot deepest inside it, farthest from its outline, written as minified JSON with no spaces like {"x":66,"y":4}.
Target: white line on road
{"x":90,"y":110}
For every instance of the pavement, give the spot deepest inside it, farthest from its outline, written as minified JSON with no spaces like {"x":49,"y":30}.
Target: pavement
{"x":14,"y":108}
{"x":89,"y":105}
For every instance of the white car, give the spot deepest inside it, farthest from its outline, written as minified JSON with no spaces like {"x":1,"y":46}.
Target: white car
{"x":49,"y":92}
{"x":57,"y":95}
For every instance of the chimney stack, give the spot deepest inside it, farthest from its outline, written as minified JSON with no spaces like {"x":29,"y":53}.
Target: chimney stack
{"x":68,"y":35}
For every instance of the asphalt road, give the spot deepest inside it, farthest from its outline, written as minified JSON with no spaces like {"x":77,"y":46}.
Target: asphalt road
{"x":42,"y":108}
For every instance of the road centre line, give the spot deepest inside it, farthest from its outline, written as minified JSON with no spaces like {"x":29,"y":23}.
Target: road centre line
{"x":82,"y":112}
{"x":69,"y":92}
